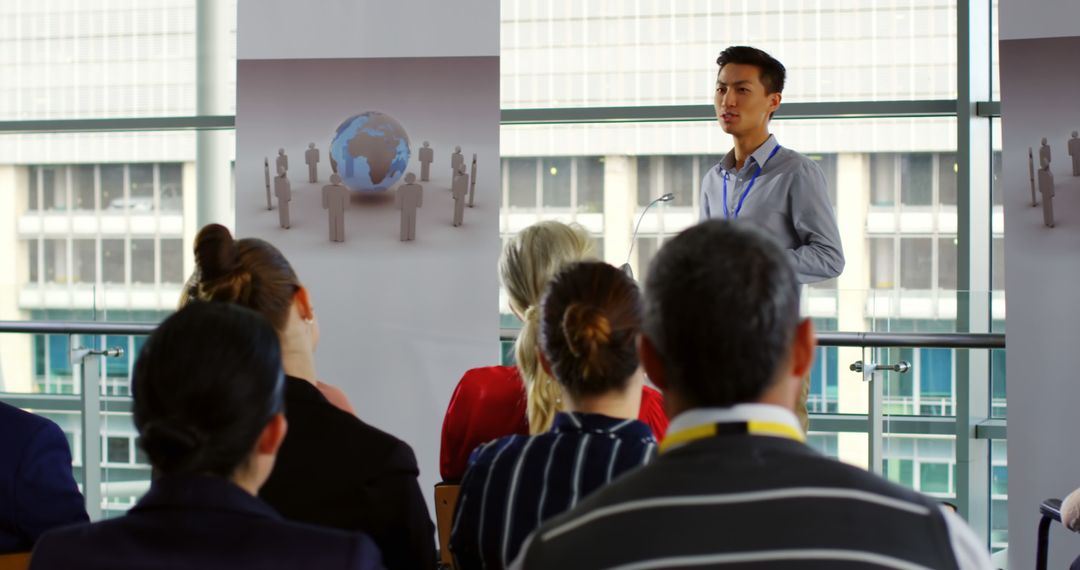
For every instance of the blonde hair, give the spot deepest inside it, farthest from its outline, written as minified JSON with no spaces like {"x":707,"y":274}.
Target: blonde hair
{"x":528,"y":263}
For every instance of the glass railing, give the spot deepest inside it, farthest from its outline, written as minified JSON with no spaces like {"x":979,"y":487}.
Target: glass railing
{"x":79,"y":379}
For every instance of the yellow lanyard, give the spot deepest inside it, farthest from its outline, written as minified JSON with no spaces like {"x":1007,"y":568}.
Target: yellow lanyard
{"x":753,"y":427}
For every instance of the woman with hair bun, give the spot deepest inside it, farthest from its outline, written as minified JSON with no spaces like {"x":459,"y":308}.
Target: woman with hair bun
{"x":496,"y":401}
{"x":589,"y":322}
{"x":333,"y":469}
{"x":209,"y":391}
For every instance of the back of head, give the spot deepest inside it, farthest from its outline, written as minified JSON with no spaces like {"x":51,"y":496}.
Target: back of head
{"x":591,"y":316}
{"x":721,"y":308}
{"x":529,"y":260}
{"x":205,"y":385}
{"x":249,"y":272}
{"x":773,"y":73}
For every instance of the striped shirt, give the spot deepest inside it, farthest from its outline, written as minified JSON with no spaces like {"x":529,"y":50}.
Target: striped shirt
{"x":515,"y":483}
{"x":754,"y":501}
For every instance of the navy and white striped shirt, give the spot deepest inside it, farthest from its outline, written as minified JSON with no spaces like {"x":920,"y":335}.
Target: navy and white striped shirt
{"x":515,"y":483}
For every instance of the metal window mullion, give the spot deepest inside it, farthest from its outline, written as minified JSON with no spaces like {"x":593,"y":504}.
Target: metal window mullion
{"x":973,"y":263}
{"x":90,"y":374}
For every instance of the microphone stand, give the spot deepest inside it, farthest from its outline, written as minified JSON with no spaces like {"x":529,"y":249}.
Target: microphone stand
{"x":633,"y":238}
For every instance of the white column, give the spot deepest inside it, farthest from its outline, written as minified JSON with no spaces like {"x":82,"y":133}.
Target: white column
{"x":620,"y":195}
{"x":16,"y":354}
{"x":213,"y":175}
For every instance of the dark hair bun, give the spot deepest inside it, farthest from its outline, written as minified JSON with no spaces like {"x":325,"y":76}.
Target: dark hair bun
{"x":216,"y":254}
{"x":586,"y":330}
{"x":170,"y":446}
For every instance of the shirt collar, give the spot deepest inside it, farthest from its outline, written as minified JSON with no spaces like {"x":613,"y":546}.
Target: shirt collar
{"x":579,"y":422}
{"x":758,"y":157}
{"x":737,"y":413}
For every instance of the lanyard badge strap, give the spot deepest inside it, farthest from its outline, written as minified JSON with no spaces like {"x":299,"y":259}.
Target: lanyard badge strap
{"x":746,"y":192}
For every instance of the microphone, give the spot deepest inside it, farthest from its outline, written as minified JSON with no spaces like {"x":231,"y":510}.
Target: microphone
{"x":633,"y":238}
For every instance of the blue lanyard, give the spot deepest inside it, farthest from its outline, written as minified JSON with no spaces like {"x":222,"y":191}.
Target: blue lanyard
{"x":738,"y":207}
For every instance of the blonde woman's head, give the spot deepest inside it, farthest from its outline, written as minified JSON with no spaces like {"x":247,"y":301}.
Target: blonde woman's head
{"x":529,"y":261}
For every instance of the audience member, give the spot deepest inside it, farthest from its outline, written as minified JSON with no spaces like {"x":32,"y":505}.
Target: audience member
{"x":37,"y":490}
{"x":333,"y":469}
{"x":589,"y":323}
{"x":735,"y":482}
{"x":208,"y":391}
{"x":496,"y":401}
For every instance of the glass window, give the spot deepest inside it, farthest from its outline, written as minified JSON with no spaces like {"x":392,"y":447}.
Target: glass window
{"x":56,"y":261}
{"x":935,"y":372}
{"x":54,"y":188}
{"x":82,"y":186}
{"x":142,"y":261}
{"x":947,"y":262}
{"x":900,"y":471}
{"x":882,"y":257}
{"x":112,"y":260}
{"x":522,"y":191}
{"x":648,"y":187}
{"x":997,"y":266}
{"x":947,"y":178}
{"x":916,"y":179}
{"x":85,"y":260}
{"x":32,"y":190}
{"x":934,"y":478}
{"x":112,"y":187}
{"x":883,"y":179}
{"x":32,"y":260}
{"x":141,"y":193}
{"x":117,"y":449}
{"x":557,"y":182}
{"x":590,"y":184}
{"x":679,"y":180}
{"x":916,"y":263}
{"x":171,"y":187}
{"x":172,"y":261}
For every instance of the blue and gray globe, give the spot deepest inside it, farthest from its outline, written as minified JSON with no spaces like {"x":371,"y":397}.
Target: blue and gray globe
{"x":371,"y":150}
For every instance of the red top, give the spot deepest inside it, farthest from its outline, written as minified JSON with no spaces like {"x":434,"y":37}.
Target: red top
{"x":490,"y":403}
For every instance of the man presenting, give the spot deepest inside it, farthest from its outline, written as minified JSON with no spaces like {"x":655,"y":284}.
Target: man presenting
{"x":762,"y":183}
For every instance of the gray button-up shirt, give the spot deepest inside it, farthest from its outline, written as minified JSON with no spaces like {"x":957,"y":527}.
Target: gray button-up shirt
{"x":789,"y":201}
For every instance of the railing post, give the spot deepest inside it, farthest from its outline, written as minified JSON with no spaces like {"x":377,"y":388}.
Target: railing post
{"x":90,"y":371}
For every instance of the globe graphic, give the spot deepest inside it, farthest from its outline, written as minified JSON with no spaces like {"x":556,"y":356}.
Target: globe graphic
{"x":371,"y":150}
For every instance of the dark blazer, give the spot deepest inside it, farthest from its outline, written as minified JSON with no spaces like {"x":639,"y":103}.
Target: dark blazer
{"x":337,"y":471}
{"x":37,"y":491}
{"x":202,"y":522}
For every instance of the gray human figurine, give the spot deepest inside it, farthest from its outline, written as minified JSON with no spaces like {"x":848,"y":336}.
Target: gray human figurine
{"x":282,"y":160}
{"x":457,"y":159}
{"x":427,"y":156}
{"x":1044,"y":151}
{"x":335,"y":200}
{"x":1031,"y":177}
{"x":1046,"y":188}
{"x":283,"y":191}
{"x":409,"y":197}
{"x":266,"y":175}
{"x":472,"y":180}
{"x":459,"y":188}
{"x":1074,"y":152}
{"x":311,"y":158}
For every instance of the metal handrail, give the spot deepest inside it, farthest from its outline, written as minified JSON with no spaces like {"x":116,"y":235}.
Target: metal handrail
{"x":861,"y":339}
{"x":878,"y":339}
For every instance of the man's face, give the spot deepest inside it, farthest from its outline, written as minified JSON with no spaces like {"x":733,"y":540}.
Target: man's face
{"x":742,"y":105}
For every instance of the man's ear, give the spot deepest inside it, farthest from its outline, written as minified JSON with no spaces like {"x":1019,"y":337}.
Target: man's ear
{"x":272,"y":435}
{"x":802,"y":348}
{"x":774,"y":101}
{"x":651,"y":361}
{"x":303,"y":303}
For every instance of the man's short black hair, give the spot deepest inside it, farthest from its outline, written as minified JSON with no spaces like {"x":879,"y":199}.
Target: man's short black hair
{"x":721,"y":308}
{"x":772,"y":71}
